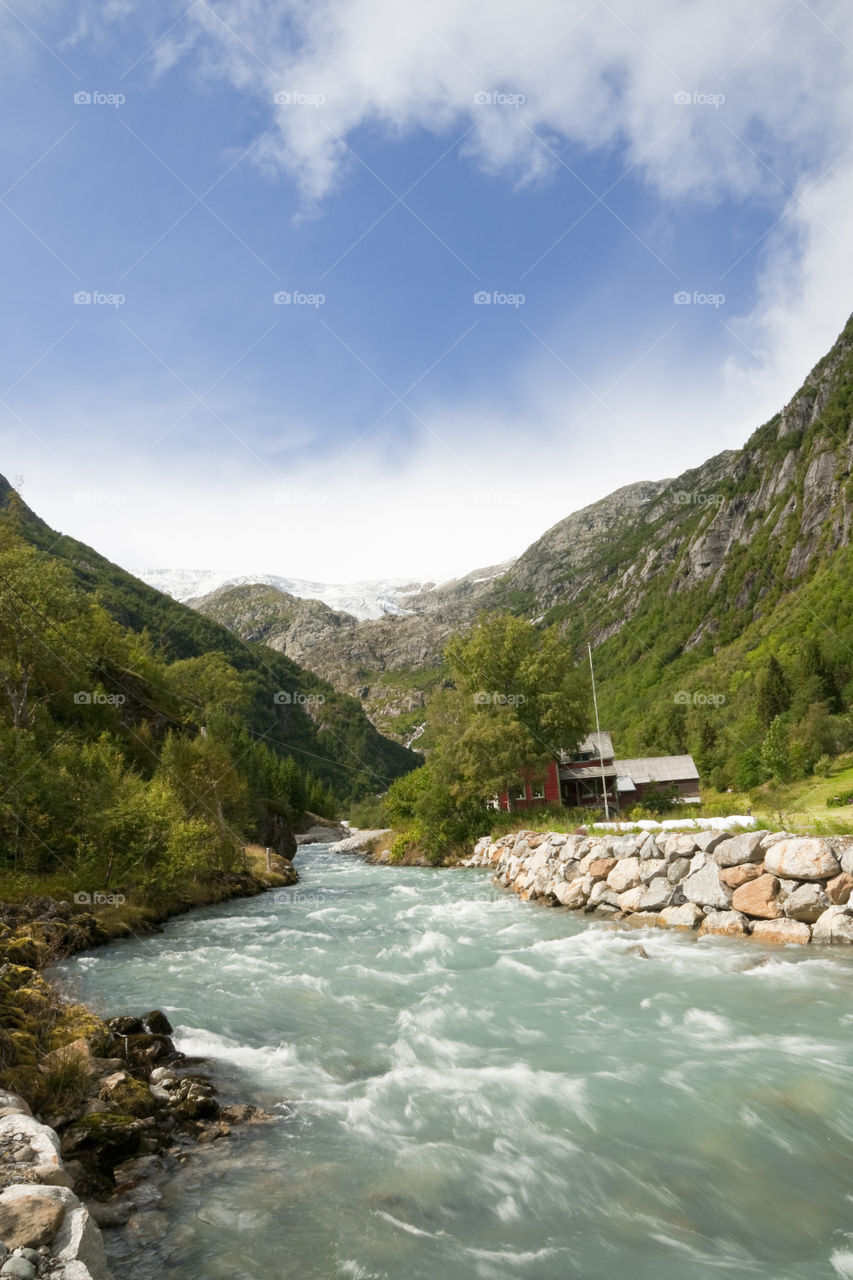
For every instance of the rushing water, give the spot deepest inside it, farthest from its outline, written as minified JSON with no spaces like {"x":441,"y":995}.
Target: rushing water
{"x":466,"y":1085}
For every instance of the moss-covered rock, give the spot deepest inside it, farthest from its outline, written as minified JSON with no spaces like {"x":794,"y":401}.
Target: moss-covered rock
{"x":19,"y":950}
{"x":129,"y":1096}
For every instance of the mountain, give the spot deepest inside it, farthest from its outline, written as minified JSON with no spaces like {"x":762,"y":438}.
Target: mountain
{"x":294,"y":710}
{"x":370,"y":599}
{"x":675,"y":582}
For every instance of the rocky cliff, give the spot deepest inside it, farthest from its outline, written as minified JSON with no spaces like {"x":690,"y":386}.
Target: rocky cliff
{"x":721,"y":543}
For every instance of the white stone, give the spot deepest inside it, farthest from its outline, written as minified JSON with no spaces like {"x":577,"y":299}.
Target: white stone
{"x":625,"y":875}
{"x":687,"y":916}
{"x":806,"y":903}
{"x":652,"y":867}
{"x":802,"y":858}
{"x":704,"y":886}
{"x":835,"y":925}
{"x":739,"y":849}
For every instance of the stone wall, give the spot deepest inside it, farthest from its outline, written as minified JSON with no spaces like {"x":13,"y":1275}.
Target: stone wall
{"x":45,"y":1230}
{"x":772,"y":885}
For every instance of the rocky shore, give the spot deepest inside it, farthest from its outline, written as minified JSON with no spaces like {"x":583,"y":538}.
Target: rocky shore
{"x":773,"y":886}
{"x":93,"y":1113}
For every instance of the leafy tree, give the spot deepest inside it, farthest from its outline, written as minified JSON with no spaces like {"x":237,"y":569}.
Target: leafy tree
{"x":775,"y":752}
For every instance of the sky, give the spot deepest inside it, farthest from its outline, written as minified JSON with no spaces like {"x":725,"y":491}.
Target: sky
{"x":351,"y":289}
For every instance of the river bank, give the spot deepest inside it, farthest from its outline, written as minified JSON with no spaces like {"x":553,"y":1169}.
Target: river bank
{"x":92,"y":1110}
{"x":773,"y":886}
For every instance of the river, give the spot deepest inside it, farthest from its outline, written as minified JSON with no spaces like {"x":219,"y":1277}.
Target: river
{"x":469,"y":1086}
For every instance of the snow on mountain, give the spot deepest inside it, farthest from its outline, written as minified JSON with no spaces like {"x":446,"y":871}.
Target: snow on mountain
{"x":371,"y":599}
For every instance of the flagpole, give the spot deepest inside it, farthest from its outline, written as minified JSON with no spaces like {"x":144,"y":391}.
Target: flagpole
{"x":598,"y":735}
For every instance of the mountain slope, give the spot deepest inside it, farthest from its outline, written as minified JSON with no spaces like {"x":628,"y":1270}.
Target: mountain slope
{"x":295,"y":710}
{"x":663,"y":577}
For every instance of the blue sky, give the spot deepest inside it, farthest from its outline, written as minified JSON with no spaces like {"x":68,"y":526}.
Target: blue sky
{"x":381,"y":164}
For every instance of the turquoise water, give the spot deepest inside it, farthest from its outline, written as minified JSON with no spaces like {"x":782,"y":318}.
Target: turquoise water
{"x":466,"y":1085}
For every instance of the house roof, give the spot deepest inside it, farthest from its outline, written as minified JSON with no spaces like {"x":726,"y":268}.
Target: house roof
{"x":578,"y":772}
{"x":600,"y":745}
{"x":659,"y":769}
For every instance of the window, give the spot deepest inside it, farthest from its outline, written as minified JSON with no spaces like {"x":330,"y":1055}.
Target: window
{"x":518,"y":793}
{"x":537,"y":790}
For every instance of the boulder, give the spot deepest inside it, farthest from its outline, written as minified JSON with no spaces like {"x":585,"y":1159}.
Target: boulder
{"x":625,"y":875}
{"x":602,"y":895}
{"x":704,"y":886}
{"x":737,"y":849}
{"x":646,"y":897}
{"x":687,"y":916}
{"x":724,"y":924}
{"x":680,"y":846}
{"x":707,"y":841}
{"x":734,"y":877}
{"x":600,"y":868}
{"x":677,"y":870}
{"x":838,"y":890}
{"x":650,"y":868}
{"x":781,"y":931}
{"x":806,"y":903}
{"x":758,"y":898}
{"x":570,"y":895}
{"x":802,"y":858}
{"x":835,"y":925}
{"x":30,"y":1220}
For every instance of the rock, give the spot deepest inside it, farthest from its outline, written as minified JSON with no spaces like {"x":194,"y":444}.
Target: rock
{"x":651,"y":897}
{"x":680,"y":846}
{"x":12,"y":1104}
{"x":650,"y":868}
{"x":570,"y":894}
{"x":157,"y":1023}
{"x":602,"y":895}
{"x":838,"y":890}
{"x":704,"y":886}
{"x":29,"y":1220}
{"x":687,"y":916}
{"x":737,"y":849}
{"x":707,"y":841}
{"x":625,"y":875}
{"x":734,"y":877}
{"x":600,"y":868}
{"x":19,"y":1268}
{"x":781,"y":931}
{"x":835,"y":925}
{"x":110,"y":1213}
{"x":802,"y":858}
{"x":677,"y":870}
{"x":76,"y":1053}
{"x":126,"y":1026}
{"x":724,"y":924}
{"x":758,"y":898}
{"x":807,"y":903}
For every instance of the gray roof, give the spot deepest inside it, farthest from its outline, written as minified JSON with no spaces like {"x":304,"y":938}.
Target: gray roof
{"x":659,"y":769}
{"x":599,"y":744}
{"x":580,"y":771}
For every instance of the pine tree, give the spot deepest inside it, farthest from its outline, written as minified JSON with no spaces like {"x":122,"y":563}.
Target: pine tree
{"x":774,"y":693}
